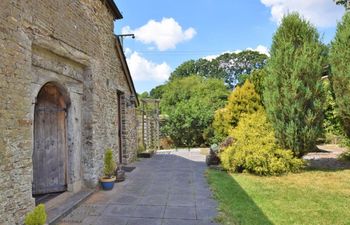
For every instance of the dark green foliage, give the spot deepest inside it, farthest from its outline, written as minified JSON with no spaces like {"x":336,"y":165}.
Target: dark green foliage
{"x":200,"y":67}
{"x":190,"y":104}
{"x":339,"y":57}
{"x":157,"y":92}
{"x":254,"y":149}
{"x":143,"y":95}
{"x":331,"y":124}
{"x":186,"y":69}
{"x":257,"y":78}
{"x":233,"y":68}
{"x":293,"y":94}
{"x":345,"y":3}
{"x":187,"y":124}
{"x":37,"y":216}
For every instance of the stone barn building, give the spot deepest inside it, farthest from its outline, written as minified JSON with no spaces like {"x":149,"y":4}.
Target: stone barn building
{"x":66,"y":95}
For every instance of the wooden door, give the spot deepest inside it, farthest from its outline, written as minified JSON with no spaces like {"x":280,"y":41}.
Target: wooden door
{"x":50,"y":145}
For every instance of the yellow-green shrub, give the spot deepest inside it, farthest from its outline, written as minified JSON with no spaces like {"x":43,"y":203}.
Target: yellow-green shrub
{"x":221,"y":123}
{"x":255,"y":151}
{"x":37,"y":216}
{"x":242,"y":100}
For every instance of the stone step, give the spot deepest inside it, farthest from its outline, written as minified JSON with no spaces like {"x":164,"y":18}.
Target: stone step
{"x":63,"y":204}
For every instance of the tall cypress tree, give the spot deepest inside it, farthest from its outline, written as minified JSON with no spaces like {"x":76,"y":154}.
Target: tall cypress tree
{"x":339,"y":57}
{"x":293,"y":92}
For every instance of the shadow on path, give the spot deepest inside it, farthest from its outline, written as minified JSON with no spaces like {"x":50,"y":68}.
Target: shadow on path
{"x":168,"y":189}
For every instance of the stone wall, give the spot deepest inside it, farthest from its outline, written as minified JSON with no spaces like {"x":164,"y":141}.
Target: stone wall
{"x":131,"y":131}
{"x":15,"y":122}
{"x":70,"y":43}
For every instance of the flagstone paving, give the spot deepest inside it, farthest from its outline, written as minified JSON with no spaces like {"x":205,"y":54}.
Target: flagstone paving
{"x":168,"y":189}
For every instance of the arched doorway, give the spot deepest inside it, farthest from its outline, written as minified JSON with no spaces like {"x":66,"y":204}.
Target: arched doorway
{"x":50,"y":140}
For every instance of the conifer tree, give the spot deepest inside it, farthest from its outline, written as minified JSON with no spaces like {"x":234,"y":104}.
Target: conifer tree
{"x":293,"y":92}
{"x":243,"y":100}
{"x":339,"y":57}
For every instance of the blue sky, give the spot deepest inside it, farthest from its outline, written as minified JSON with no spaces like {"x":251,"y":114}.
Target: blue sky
{"x":169,"y":32}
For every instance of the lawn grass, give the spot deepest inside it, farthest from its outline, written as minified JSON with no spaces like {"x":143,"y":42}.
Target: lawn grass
{"x":310,"y":197}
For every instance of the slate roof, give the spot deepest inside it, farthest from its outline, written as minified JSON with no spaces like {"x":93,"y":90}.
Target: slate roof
{"x":113,"y":7}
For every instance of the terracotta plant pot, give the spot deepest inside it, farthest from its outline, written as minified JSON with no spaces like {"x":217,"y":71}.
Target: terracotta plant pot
{"x":107,"y":183}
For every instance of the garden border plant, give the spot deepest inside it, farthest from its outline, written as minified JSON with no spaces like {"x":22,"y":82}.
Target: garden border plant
{"x":339,"y":56}
{"x":254,"y":149}
{"x":293,"y":94}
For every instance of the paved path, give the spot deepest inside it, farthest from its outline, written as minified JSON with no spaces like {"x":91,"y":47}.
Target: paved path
{"x":327,"y":158}
{"x":168,"y":189}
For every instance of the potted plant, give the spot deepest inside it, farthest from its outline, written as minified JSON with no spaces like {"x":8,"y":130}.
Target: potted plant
{"x":107,"y":181}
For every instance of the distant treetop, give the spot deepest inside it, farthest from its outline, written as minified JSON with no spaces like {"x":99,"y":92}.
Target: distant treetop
{"x":233,"y":68}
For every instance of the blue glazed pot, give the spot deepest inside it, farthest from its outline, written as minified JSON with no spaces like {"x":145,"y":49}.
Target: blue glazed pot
{"x":107,"y":183}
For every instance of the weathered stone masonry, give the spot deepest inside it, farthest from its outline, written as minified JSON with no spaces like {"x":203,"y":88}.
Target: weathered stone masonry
{"x":68,"y":44}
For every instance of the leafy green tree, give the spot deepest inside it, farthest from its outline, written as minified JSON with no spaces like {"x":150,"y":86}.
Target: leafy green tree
{"x":200,"y":67}
{"x":331,"y":124}
{"x":345,"y":3}
{"x":243,"y":100}
{"x":233,"y":68}
{"x":157,"y":92}
{"x":238,"y":66}
{"x":293,"y":94}
{"x":190,"y":104}
{"x":339,"y":56}
{"x":186,"y":69}
{"x":257,"y":78}
{"x":221,"y":124}
{"x":144,"y":95}
{"x":187,"y":124}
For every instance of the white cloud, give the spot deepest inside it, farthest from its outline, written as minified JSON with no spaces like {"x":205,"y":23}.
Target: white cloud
{"x":165,"y":34}
{"x":127,"y":52}
{"x":260,"y":48}
{"x":143,"y":70}
{"x":322,"y":13}
{"x":211,"y":57}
